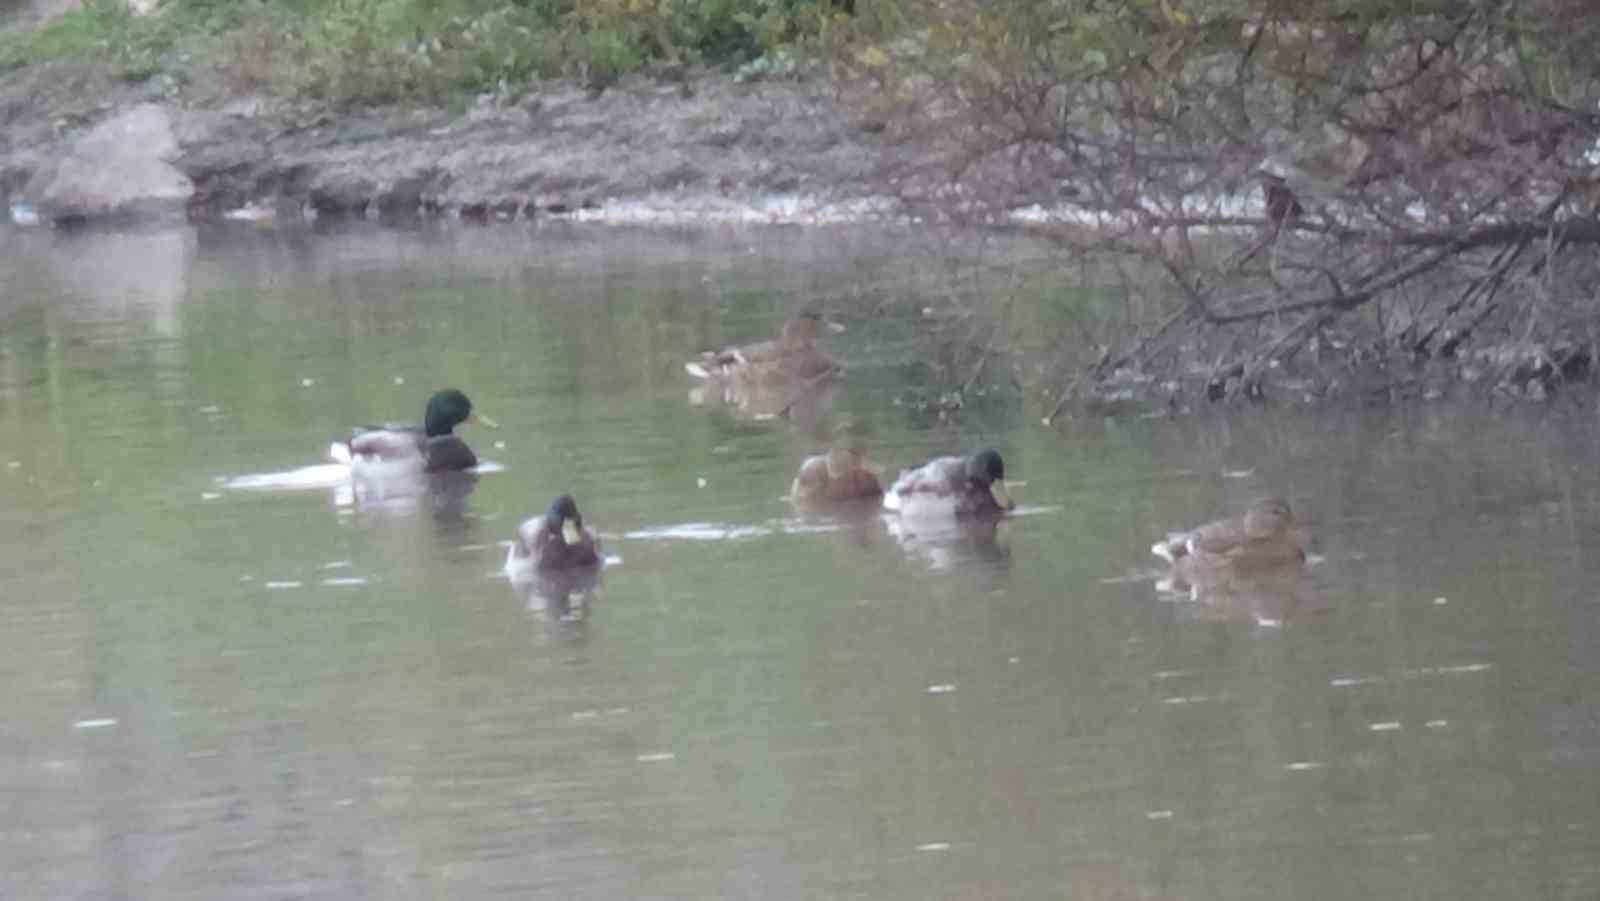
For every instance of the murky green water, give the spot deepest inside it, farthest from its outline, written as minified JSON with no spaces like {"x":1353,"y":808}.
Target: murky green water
{"x":216,"y":693}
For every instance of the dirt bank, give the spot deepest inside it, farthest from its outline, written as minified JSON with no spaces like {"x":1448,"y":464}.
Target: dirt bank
{"x":708,"y":146}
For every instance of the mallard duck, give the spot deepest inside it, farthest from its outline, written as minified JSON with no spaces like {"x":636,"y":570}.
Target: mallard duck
{"x":970,"y":486}
{"x":841,"y":475}
{"x":793,"y":357}
{"x":433,"y":446}
{"x":1261,"y":538}
{"x":555,"y":540}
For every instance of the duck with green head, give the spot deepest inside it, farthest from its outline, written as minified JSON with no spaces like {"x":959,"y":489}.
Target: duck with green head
{"x":432,"y":446}
{"x":554,"y":540}
{"x":953,"y":486}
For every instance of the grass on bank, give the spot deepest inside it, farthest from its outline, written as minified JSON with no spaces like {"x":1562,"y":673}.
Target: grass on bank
{"x":381,"y":51}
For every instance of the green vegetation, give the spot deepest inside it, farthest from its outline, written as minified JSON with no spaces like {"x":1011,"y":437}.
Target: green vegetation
{"x":380,"y":51}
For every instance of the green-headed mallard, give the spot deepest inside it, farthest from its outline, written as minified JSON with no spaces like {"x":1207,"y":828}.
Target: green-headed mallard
{"x":840,"y":476}
{"x":793,"y":357}
{"x":1261,"y":538}
{"x":555,"y":540}
{"x":960,"y":486}
{"x":432,"y":446}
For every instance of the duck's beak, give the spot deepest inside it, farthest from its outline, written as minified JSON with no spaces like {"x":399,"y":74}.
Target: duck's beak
{"x":1001,"y":497}
{"x":484,"y":421}
{"x":570,"y":533}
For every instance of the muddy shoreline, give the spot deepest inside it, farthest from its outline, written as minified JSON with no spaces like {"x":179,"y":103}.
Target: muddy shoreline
{"x":707,"y":147}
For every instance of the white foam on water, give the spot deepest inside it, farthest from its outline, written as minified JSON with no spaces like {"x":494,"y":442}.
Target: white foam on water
{"x":306,"y":478}
{"x":699,"y":531}
{"x":1465,"y":668}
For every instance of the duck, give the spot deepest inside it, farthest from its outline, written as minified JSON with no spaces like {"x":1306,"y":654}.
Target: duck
{"x":958,"y":486}
{"x":792,"y":357}
{"x":431,"y":447}
{"x":555,"y":540}
{"x":1261,"y":538}
{"x":840,"y":476}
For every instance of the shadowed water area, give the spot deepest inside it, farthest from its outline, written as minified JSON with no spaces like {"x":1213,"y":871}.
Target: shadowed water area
{"x":221,"y":692}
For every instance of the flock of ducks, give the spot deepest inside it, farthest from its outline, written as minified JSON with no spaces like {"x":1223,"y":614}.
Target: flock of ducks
{"x":1264,"y":537}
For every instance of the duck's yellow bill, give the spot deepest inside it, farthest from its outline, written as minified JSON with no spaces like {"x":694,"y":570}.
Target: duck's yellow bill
{"x":484,"y":421}
{"x":1001,"y":497}
{"x":570,"y":533}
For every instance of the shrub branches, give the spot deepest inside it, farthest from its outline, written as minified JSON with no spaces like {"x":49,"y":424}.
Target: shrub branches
{"x":1419,"y":181}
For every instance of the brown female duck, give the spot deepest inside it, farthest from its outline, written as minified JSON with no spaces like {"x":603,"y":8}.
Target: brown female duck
{"x":1263,"y":537}
{"x":793,"y":357}
{"x":840,"y":476}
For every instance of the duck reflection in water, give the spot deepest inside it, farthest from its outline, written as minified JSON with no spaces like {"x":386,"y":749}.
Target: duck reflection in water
{"x":805,"y":404}
{"x":442,"y":494}
{"x":1270,"y":596}
{"x":563,"y":595}
{"x":953,"y":543}
{"x":950,"y":510}
{"x":1248,"y":567}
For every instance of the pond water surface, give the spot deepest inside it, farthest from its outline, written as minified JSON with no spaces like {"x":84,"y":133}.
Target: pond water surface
{"x":222,"y":692}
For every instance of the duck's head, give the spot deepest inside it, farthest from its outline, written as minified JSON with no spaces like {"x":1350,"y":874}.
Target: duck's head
{"x":448,"y":409}
{"x":849,"y":451}
{"x":986,"y":470}
{"x":801,"y":330}
{"x":563,"y":518}
{"x":1268,"y":518}
{"x":845,"y":459}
